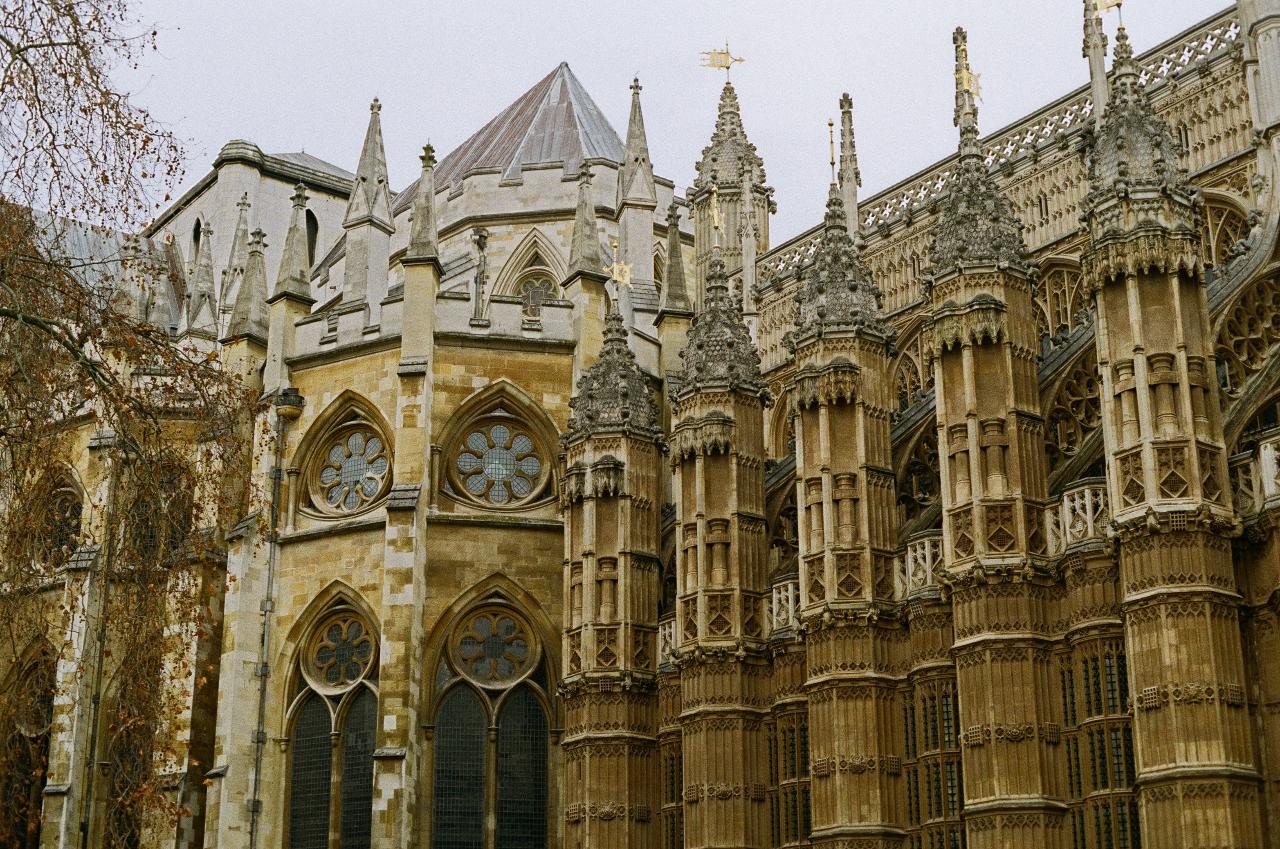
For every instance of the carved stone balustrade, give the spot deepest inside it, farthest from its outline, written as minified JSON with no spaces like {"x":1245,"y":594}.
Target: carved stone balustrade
{"x":916,"y":568}
{"x":1082,"y":516}
{"x":667,"y":640}
{"x":1268,"y":471}
{"x":783,"y":604}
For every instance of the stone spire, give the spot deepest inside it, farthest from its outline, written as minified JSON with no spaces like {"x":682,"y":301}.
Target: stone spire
{"x":1095,"y":50}
{"x":836,"y":292}
{"x":635,"y":180}
{"x":584,"y":250}
{"x":977,"y":223}
{"x":239,"y":255}
{"x":720,"y":354}
{"x":249,"y":315}
{"x":613,"y":394}
{"x":371,"y":195}
{"x":850,"y":176}
{"x":294,"y":278}
{"x":423,"y":238}
{"x":675,"y":294}
{"x":201,"y":307}
{"x":729,"y":151}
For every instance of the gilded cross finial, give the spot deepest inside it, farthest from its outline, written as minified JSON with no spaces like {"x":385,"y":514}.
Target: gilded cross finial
{"x":720,"y":59}
{"x":617,"y":270}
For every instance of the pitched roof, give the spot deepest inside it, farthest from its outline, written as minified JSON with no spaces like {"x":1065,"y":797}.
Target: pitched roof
{"x":555,"y":122}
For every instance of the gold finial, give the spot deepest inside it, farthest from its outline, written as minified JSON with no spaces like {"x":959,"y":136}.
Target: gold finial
{"x":617,"y":270}
{"x":970,"y":82}
{"x":831,"y":145}
{"x":720,"y":59}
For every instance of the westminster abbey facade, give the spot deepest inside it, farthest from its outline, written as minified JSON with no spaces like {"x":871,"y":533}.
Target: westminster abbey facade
{"x":597,"y":520}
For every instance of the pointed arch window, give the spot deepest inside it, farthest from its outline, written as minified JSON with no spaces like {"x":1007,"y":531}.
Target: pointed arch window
{"x":492,"y":736}
{"x":24,"y":762}
{"x":333,"y":719}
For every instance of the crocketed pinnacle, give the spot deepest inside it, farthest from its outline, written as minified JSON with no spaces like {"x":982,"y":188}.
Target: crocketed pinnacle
{"x":239,"y":255}
{"x":1133,"y":146}
{"x":730,"y":151}
{"x":613,"y":394}
{"x":423,"y":239}
{"x":850,"y":175}
{"x":201,"y":307}
{"x":836,"y":292}
{"x":635,"y":179}
{"x":675,"y":294}
{"x":584,"y":248}
{"x":249,"y":315}
{"x":294,"y":278}
{"x":977,"y":223}
{"x":719,"y":354}
{"x":371,"y":195}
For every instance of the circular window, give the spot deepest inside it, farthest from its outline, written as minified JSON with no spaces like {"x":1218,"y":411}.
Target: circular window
{"x":353,"y":471}
{"x":494,"y":648}
{"x":340,"y":653}
{"x":498,"y":464}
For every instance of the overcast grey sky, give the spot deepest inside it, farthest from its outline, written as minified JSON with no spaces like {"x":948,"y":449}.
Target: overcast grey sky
{"x":295,"y":75}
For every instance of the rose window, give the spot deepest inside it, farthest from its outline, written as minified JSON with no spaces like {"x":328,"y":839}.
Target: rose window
{"x":494,"y":648}
{"x":354,"y":471}
{"x":341,"y":652}
{"x":499,"y":465}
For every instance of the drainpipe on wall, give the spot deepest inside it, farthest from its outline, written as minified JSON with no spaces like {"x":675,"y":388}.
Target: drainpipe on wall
{"x":288,"y":404}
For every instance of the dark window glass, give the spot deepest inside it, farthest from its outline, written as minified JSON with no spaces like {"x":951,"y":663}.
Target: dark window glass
{"x":522,"y":773}
{"x":458,"y":821}
{"x":357,"y":769}
{"x":312,"y":762}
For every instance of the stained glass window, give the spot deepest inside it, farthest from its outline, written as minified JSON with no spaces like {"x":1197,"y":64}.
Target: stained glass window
{"x":498,"y":464}
{"x":337,"y":659}
{"x":493,"y":648}
{"x":341,"y":652}
{"x":354,"y":471}
{"x":459,"y":797}
{"x":522,"y":772}
{"x":309,"y":776}
{"x":491,"y":790}
{"x":358,"y":731}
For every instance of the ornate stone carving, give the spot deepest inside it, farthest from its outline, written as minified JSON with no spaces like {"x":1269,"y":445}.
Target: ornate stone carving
{"x":613,"y":394}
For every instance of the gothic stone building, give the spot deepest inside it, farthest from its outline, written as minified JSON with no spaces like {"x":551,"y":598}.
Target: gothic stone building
{"x":603,"y":522}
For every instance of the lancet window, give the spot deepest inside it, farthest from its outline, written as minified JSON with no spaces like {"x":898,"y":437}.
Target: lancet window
{"x":491,"y":735}
{"x":333,"y":717}
{"x":24,"y":753}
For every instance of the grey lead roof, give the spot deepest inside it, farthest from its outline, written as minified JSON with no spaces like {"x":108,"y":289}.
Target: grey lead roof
{"x":315,"y":163}
{"x":555,"y":122}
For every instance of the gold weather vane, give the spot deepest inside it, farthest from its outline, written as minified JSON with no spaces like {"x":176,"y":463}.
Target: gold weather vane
{"x":720,"y":59}
{"x":1108,"y":5}
{"x":617,"y":270}
{"x":971,"y":83}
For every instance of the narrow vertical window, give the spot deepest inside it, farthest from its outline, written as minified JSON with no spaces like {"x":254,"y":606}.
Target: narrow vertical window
{"x":522,"y":772}
{"x":458,"y":821}
{"x":358,"y":730}
{"x":310,"y":749}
